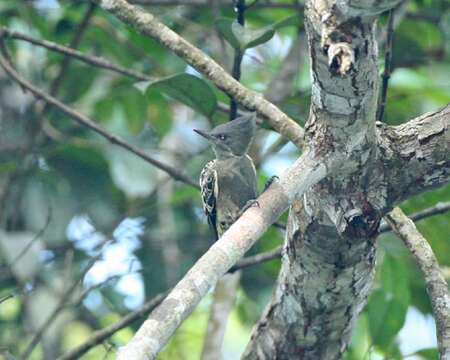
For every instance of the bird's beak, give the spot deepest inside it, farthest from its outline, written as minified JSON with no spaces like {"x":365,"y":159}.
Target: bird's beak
{"x":204,"y":134}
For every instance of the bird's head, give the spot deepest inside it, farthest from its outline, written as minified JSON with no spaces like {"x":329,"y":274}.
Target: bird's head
{"x":232,"y":138}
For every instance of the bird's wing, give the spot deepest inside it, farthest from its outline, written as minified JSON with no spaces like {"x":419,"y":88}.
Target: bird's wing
{"x":209,"y":189}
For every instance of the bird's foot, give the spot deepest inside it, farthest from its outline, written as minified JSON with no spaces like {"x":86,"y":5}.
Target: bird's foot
{"x":270,"y":181}
{"x":248,"y":205}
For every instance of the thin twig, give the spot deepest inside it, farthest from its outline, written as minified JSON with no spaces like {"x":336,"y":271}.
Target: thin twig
{"x":61,"y":305}
{"x":253,"y":260}
{"x":239,"y":6}
{"x":42,"y":110}
{"x":263,"y":5}
{"x":387,"y":65}
{"x":89,"y":59}
{"x":436,"y":285}
{"x":93,"y":60}
{"x":75,"y":42}
{"x":272,"y":149}
{"x":99,"y":336}
{"x":257,"y":259}
{"x":35,"y":237}
{"x":7,"y":297}
{"x":439,"y":208}
{"x":87,"y":122}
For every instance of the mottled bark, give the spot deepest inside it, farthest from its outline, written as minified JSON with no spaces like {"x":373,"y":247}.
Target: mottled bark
{"x":416,"y":155}
{"x":330,"y":251}
{"x":223,"y":254}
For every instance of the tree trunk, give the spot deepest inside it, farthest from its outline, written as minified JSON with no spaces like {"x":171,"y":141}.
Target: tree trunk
{"x":330,"y":250}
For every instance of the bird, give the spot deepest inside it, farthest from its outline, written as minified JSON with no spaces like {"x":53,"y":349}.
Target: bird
{"x":228,"y":183}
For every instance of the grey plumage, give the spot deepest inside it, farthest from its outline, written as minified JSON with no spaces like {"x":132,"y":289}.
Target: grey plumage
{"x":228,"y":182}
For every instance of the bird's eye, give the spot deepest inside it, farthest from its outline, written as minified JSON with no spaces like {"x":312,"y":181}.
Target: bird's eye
{"x":222,"y":136}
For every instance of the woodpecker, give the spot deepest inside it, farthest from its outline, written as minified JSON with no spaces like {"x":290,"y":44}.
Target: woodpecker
{"x":228,"y":183}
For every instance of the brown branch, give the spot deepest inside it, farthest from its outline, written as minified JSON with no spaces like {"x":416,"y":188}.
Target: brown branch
{"x":87,"y":122}
{"x":257,"y":259}
{"x":263,"y":5}
{"x":99,"y":336}
{"x":75,"y":42}
{"x":437,"y":287}
{"x":439,"y":208}
{"x":147,"y":24}
{"x":61,"y":305}
{"x":89,"y":59}
{"x":31,"y":242}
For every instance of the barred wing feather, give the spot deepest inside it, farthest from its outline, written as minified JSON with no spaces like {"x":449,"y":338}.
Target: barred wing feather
{"x":208,"y":185}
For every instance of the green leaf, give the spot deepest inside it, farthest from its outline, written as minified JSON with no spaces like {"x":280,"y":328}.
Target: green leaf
{"x":386,"y":317}
{"x":394,"y":278}
{"x":224,"y":25}
{"x":293,"y":20}
{"x":249,"y":38}
{"x":242,"y":38}
{"x":428,"y":354}
{"x":186,"y":88}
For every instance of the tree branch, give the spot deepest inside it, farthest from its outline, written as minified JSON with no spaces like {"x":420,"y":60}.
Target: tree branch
{"x":262,"y":5}
{"x":87,"y":122}
{"x":439,"y":208}
{"x":437,"y":287}
{"x":99,"y":336}
{"x":68,"y":51}
{"x":182,"y":300}
{"x":147,"y":24}
{"x":74,"y":43}
{"x":223,"y":300}
{"x":89,"y":59}
{"x":414,"y":155}
{"x":62,"y":302}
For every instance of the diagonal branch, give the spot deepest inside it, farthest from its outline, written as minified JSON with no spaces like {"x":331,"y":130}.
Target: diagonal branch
{"x":162,"y":323}
{"x":69,"y":51}
{"x":99,"y":336}
{"x":437,"y":287}
{"x":62,"y":303}
{"x":147,"y":24}
{"x":74,"y":43}
{"x":87,"y":122}
{"x":93,"y":60}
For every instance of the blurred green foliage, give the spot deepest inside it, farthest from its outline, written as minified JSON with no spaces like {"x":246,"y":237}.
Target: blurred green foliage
{"x":68,"y":172}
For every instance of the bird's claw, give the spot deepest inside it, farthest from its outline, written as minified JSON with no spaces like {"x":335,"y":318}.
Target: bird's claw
{"x":270,"y":181}
{"x":248,"y":205}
